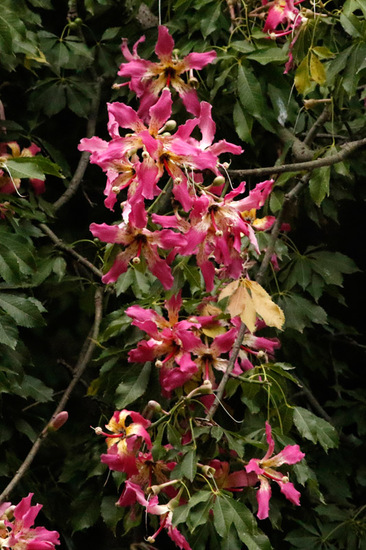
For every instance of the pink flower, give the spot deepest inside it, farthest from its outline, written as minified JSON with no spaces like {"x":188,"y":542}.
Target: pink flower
{"x":291,"y":454}
{"x":282,"y":11}
{"x":125,"y":440}
{"x":233,"y":481}
{"x":171,"y":339}
{"x":148,"y":79}
{"x":136,"y":242}
{"x":21,"y":535}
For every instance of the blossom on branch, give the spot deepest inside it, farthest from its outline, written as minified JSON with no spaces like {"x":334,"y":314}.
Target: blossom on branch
{"x":291,"y":454}
{"x":148,"y":79}
{"x":18,"y":533}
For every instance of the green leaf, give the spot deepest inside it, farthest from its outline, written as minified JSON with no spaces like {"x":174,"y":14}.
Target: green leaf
{"x":221,"y":521}
{"x":181,"y":513}
{"x":268,"y":55}
{"x":331,"y":266}
{"x":352,"y":25}
{"x":188,"y":466}
{"x":26,"y":312}
{"x":35,"y":388}
{"x":129,"y":390}
{"x":209,"y":22}
{"x":250,"y":92}
{"x":111,"y":513}
{"x":315,"y":429}
{"x":8,"y":332}
{"x":23,"y":168}
{"x":300,"y":312}
{"x":85,"y":509}
{"x":243,"y":123}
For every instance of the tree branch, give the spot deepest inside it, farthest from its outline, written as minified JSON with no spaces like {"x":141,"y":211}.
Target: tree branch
{"x":323,"y":117}
{"x":84,"y":358}
{"x":67,"y":248}
{"x":84,"y":157}
{"x":345,"y":151}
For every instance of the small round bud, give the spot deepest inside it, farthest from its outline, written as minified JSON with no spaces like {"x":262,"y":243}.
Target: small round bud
{"x":170,"y":125}
{"x":219,"y":180}
{"x":116,"y":189}
{"x":151,"y":540}
{"x":261,"y":354}
{"x":285,"y":479}
{"x":136,"y":260}
{"x":145,"y":154}
{"x":225,"y":165}
{"x":177,"y":181}
{"x":98,"y":430}
{"x":154,"y":405}
{"x":218,"y":233}
{"x":158,"y":364}
{"x":175,"y":51}
{"x":208,"y":471}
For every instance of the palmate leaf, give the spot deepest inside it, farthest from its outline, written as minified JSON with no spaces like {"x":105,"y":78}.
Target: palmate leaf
{"x":300,"y":312}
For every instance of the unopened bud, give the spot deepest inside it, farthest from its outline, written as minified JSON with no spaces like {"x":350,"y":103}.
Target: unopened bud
{"x":116,"y":189}
{"x":177,"y":181}
{"x":154,"y":405}
{"x":170,"y":125}
{"x":285,"y":479}
{"x":158,"y":364}
{"x":225,"y":165}
{"x":206,"y":387}
{"x":98,"y":430}
{"x":218,"y":233}
{"x":261,"y":354}
{"x":151,"y":540}
{"x":58,"y":421}
{"x":219,"y":180}
{"x":9,"y":511}
{"x":136,"y":260}
{"x":145,"y":154}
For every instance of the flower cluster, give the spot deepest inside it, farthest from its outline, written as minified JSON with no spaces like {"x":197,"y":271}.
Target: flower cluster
{"x":219,"y":229}
{"x":16,"y":531}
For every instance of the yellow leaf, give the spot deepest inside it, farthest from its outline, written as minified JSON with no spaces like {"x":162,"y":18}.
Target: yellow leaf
{"x":248,"y":315}
{"x":213,"y":331}
{"x":237,"y":301}
{"x":270,"y":312}
{"x":317,"y":71}
{"x":229,"y":289}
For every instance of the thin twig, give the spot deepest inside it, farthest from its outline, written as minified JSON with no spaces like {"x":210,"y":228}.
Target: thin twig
{"x":345,"y":151}
{"x":84,"y":157}
{"x":67,"y":248}
{"x":84,"y":358}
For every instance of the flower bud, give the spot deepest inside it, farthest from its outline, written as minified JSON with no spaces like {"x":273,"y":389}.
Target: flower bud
{"x":98,"y":430}
{"x":170,"y":125}
{"x":136,"y":260}
{"x":58,"y":421}
{"x":158,"y":364}
{"x":193,"y":82}
{"x":154,"y":405}
{"x":285,"y":479}
{"x":116,"y":189}
{"x":219,"y":180}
